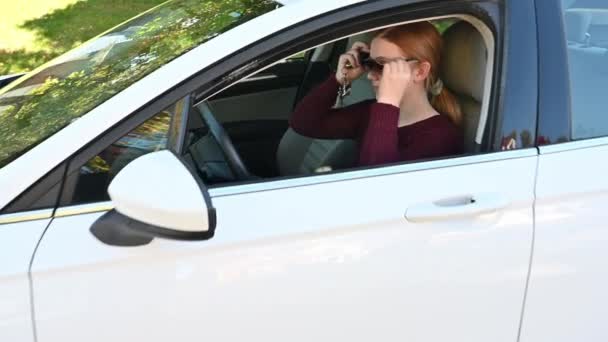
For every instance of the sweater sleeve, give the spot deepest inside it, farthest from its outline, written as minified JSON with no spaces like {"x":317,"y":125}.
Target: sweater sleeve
{"x":314,"y":116}
{"x":380,"y":141}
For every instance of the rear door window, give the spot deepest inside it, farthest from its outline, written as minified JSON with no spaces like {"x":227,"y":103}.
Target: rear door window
{"x":586,"y":25}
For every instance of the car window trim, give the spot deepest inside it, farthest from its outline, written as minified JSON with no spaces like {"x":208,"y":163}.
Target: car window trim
{"x":554,"y":103}
{"x":369,"y":172}
{"x":517,"y":108}
{"x":276,"y":184}
{"x":573,"y":145}
{"x":81,"y":209}
{"x":25,"y":216}
{"x":177,"y":143}
{"x":34,"y":197}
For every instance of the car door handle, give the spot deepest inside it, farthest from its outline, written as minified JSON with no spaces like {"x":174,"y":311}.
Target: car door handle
{"x":456,"y":207}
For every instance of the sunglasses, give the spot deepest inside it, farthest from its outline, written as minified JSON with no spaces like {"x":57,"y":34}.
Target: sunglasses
{"x":371,"y":65}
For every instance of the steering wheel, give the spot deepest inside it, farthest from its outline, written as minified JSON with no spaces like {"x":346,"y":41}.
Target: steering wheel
{"x":221,"y":137}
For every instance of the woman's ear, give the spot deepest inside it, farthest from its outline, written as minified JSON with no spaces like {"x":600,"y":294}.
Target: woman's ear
{"x":422,"y":71}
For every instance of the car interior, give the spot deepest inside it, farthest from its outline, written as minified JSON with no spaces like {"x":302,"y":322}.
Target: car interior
{"x":242,"y":133}
{"x":586,"y":24}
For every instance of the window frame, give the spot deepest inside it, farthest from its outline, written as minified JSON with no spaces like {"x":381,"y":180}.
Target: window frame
{"x":333,"y":26}
{"x":554,"y":103}
{"x":174,"y":144}
{"x":517,"y":109}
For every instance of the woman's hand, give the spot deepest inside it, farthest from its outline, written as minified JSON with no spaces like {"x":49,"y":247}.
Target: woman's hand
{"x":396,"y":77}
{"x":346,"y":75}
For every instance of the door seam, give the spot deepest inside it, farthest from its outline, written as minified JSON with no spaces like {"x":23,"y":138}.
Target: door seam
{"x":527,"y":286}
{"x":31,"y":282}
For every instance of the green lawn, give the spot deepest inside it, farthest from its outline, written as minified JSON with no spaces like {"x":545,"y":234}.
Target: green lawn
{"x":33,"y":31}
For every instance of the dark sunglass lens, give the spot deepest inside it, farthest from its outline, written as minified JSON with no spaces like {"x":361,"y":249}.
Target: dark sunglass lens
{"x":372,"y":65}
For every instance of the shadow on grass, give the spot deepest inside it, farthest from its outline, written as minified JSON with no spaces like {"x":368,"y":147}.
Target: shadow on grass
{"x":65,"y":28}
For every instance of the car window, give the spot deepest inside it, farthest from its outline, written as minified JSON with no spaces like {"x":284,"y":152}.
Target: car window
{"x":46,"y":100}
{"x":255,"y":114}
{"x":586,"y":26}
{"x":294,"y":150}
{"x":90,"y":182}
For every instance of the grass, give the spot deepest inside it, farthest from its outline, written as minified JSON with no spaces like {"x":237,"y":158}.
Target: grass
{"x":34,"y":31}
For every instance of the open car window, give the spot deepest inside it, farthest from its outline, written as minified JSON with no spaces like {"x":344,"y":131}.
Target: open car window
{"x":586,"y":31}
{"x":247,"y":113}
{"x":254,"y":115}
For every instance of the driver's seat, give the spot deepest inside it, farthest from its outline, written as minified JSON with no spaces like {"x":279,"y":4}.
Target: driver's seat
{"x":300,"y":155}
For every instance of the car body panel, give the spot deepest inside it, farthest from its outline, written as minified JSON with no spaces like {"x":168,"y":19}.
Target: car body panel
{"x":332,"y":256}
{"x":326,"y":261}
{"x":18,"y":242}
{"x":567,"y":297}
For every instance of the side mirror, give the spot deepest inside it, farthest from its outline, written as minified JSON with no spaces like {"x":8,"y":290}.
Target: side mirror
{"x":156,"y":195}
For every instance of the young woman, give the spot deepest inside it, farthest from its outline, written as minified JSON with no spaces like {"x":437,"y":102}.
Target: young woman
{"x":413,"y":115}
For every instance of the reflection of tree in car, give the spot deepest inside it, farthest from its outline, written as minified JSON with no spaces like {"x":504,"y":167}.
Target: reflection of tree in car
{"x":148,"y":137}
{"x":31,"y":109}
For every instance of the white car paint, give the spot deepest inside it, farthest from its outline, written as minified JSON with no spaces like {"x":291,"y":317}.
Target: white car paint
{"x":18,"y":242}
{"x":175,"y":201}
{"x":17,"y":176}
{"x":334,"y":261}
{"x":568,"y":296}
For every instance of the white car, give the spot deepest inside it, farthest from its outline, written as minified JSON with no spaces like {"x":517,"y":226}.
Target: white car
{"x":151,"y":189}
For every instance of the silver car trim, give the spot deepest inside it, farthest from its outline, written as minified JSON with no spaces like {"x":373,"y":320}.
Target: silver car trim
{"x":84,"y":209}
{"x":366,"y":173}
{"x":573,"y":145}
{"x":26,"y":216}
{"x":258,"y":78}
{"x":321,"y":179}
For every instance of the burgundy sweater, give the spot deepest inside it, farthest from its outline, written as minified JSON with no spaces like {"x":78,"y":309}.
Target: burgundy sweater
{"x":374,"y":126}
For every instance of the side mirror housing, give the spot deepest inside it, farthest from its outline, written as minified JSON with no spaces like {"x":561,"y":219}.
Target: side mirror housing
{"x":156,"y":195}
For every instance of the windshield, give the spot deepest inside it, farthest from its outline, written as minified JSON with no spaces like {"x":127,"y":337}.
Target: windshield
{"x":48,"y":99}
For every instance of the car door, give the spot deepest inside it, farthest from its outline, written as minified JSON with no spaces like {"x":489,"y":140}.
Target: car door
{"x":426,"y":251}
{"x":22,"y":225}
{"x":567,"y":293}
{"x":19,"y":236}
{"x":322,"y":259}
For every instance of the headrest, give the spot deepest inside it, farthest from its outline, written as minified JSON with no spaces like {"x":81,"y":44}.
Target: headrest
{"x":577,"y":25}
{"x":464,"y":58}
{"x":365,"y":37}
{"x":567,"y":3}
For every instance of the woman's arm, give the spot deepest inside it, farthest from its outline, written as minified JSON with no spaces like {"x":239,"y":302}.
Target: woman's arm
{"x":314,"y":116}
{"x":380,"y":140}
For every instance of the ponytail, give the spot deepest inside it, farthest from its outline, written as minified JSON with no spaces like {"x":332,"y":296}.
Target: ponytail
{"x":445,"y":103}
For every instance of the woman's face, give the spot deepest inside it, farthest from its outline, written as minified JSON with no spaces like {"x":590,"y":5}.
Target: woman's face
{"x":383,"y":51}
